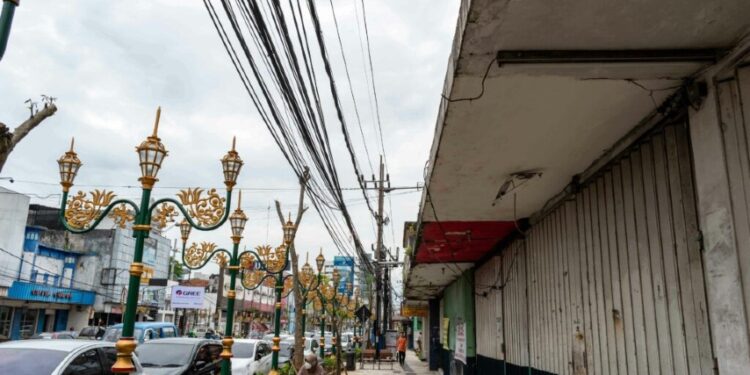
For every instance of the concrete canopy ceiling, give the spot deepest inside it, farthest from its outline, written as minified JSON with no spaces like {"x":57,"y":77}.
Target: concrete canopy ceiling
{"x":555,"y":118}
{"x":427,"y":281}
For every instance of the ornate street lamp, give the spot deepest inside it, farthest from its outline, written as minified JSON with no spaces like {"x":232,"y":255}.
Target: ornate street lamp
{"x":328,"y":298}
{"x":273,"y":262}
{"x":307,"y":283}
{"x":196,"y":256}
{"x":81,"y":214}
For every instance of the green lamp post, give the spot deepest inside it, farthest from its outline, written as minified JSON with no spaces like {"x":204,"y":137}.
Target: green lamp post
{"x":272,"y":264}
{"x":196,"y":256}
{"x":6,"y":20}
{"x":81,"y":214}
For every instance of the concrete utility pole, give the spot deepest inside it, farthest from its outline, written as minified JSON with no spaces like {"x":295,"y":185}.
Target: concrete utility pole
{"x":379,"y":328}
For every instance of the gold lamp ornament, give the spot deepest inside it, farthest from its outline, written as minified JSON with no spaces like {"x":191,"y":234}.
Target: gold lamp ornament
{"x":69,"y":165}
{"x":151,"y":154}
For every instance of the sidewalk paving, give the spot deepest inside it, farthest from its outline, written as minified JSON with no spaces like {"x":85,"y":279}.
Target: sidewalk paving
{"x":413,"y":366}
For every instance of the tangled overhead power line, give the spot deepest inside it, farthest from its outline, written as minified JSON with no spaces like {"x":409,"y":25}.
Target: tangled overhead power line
{"x":276,"y":61}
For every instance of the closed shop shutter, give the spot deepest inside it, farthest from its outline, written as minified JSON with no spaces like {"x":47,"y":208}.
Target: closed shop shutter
{"x":734,"y":98}
{"x":609,"y":282}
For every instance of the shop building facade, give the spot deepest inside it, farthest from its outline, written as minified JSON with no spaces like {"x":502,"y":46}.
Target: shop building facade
{"x":591,"y":204}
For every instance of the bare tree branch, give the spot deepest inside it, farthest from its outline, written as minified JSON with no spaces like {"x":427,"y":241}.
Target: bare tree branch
{"x":8,"y":140}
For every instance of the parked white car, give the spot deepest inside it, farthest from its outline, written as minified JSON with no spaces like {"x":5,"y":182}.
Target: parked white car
{"x":58,"y":357}
{"x":251,"y":357}
{"x":287,"y":348}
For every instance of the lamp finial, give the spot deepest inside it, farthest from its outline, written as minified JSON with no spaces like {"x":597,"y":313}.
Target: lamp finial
{"x":234,"y":142}
{"x":156,"y":123}
{"x":72,"y":143}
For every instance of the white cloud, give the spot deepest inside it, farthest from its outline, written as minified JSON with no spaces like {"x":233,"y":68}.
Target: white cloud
{"x":111,"y":63}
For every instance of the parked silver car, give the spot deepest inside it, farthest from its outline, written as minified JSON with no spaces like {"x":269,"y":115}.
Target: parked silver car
{"x":59,"y":357}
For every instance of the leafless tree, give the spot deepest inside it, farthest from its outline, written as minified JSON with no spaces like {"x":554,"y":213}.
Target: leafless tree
{"x":9,"y":139}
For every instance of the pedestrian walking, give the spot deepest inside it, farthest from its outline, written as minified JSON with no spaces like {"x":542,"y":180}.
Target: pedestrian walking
{"x":401,"y":347}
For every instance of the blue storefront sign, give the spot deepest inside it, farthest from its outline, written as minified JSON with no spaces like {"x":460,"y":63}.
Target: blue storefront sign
{"x":45,"y":293}
{"x":345,"y":265}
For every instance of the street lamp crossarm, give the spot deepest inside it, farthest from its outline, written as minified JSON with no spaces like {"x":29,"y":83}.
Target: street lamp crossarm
{"x":287,"y":290}
{"x":255,"y":256}
{"x":205,"y":208}
{"x":259,"y":284}
{"x":93,"y":211}
{"x":197,"y":257}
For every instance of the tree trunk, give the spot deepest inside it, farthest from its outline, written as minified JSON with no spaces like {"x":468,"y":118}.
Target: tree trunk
{"x":8,"y":140}
{"x":299,"y":339}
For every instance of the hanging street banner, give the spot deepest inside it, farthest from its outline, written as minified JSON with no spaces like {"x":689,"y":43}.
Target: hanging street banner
{"x":345,"y":265}
{"x":460,"y":352}
{"x":187,"y":297}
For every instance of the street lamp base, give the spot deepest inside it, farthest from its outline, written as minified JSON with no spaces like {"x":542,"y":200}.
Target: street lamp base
{"x":125,"y":348}
{"x":227,"y":344}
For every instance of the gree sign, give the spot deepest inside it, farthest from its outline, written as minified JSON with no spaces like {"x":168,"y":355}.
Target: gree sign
{"x":187,"y":297}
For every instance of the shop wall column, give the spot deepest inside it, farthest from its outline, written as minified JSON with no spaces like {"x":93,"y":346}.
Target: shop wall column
{"x":434,"y":335}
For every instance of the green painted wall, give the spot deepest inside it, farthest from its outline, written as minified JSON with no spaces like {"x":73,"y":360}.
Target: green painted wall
{"x":458,"y":302}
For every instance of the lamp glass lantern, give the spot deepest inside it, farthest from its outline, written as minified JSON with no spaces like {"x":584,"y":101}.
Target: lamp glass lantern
{"x":231,"y":163}
{"x":336,"y":277}
{"x":289,"y":231}
{"x":320,"y":261}
{"x":69,"y":165}
{"x":238,"y":219}
{"x":151,"y":153}
{"x":185,"y":229}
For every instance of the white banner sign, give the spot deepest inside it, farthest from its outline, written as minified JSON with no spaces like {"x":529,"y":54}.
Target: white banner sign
{"x":187,"y":297}
{"x":460,"y":353}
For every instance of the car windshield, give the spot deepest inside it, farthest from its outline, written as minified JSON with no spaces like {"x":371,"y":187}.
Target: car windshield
{"x":112,"y":334}
{"x":29,"y":361}
{"x":164,"y":355}
{"x":243,"y":349}
{"x":88,"y":331}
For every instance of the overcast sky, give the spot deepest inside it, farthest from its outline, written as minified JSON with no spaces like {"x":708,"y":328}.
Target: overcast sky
{"x":110,"y":64}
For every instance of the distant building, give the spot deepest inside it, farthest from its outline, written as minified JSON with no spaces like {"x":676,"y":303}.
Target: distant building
{"x":53,"y":280}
